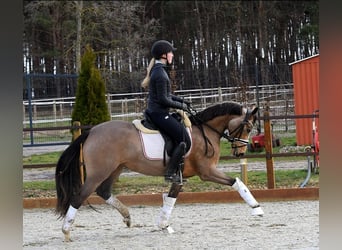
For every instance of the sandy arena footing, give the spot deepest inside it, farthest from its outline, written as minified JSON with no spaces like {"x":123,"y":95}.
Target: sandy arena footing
{"x":285,"y":225}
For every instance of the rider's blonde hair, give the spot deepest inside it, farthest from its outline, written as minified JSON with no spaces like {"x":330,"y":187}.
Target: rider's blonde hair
{"x":146,"y":80}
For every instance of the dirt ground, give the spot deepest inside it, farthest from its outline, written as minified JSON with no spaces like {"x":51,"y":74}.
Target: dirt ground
{"x":285,"y":225}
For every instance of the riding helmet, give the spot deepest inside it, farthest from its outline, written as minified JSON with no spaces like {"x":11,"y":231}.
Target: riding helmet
{"x":161,"y":47}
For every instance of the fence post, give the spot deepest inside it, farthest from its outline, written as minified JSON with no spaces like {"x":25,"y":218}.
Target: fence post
{"x":124,"y":108}
{"x":109,"y":106}
{"x":77,"y":131}
{"x":24,"y":113}
{"x":60,"y":110}
{"x":220,"y":94}
{"x":286,"y":113}
{"x":268,"y":149}
{"x":35,"y":112}
{"x":54,"y":111}
{"x":244,"y":176}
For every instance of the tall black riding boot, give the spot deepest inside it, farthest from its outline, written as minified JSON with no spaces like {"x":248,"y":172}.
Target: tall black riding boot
{"x":173,"y":165}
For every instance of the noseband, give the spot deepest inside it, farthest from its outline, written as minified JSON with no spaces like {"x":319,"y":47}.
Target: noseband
{"x":238,"y":131}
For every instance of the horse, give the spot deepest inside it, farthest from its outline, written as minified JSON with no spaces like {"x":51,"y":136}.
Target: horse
{"x":108,"y":147}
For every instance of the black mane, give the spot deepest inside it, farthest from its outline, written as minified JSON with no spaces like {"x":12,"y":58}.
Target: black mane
{"x":211,"y":112}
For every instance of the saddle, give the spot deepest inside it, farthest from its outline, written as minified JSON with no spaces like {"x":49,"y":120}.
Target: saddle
{"x":153,"y":139}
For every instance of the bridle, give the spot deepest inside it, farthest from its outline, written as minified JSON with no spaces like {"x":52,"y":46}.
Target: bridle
{"x":228,"y":134}
{"x":237,"y":131}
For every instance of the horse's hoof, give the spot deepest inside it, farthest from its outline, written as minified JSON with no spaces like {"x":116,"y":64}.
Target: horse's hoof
{"x":67,"y":237}
{"x":127,"y":221}
{"x":257,"y":211}
{"x":170,"y":230}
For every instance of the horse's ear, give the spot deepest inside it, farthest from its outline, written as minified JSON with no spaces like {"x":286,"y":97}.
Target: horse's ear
{"x":255,"y":109}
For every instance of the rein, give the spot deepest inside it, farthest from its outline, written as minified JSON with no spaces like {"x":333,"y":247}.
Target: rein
{"x":199,"y":123}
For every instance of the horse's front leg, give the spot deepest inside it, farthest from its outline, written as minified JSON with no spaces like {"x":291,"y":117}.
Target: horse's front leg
{"x":169,"y":201}
{"x":217,"y":176}
{"x":122,"y":209}
{"x":248,"y":197}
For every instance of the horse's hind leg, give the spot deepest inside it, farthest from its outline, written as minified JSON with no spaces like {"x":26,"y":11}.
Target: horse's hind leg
{"x":75,"y":203}
{"x":169,"y":201}
{"x":68,"y":221}
{"x":104,"y":191}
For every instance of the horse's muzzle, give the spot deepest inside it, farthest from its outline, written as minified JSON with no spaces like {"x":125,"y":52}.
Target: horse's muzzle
{"x":239,"y":154}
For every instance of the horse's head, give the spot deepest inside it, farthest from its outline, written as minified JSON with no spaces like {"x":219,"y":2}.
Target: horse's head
{"x":239,"y":130}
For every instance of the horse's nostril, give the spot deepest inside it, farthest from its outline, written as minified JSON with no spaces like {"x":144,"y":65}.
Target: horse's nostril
{"x":239,"y":154}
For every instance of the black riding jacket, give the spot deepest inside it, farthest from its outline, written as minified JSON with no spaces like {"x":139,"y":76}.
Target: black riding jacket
{"x":160,"y":98}
{"x":159,"y":103}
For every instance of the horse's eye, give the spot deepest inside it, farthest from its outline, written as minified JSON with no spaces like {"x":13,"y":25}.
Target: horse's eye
{"x":248,"y":130}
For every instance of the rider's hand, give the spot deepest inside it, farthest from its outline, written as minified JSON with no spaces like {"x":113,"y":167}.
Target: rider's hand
{"x":185,"y":106}
{"x":187,"y":103}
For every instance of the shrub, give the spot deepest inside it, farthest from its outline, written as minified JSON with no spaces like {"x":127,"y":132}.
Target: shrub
{"x":90,"y":104}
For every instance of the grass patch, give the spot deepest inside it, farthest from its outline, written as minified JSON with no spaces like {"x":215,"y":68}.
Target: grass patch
{"x":34,"y":189}
{"x":46,"y":158}
{"x":148,"y":184}
{"x":285,"y":141}
{"x":225,"y":148}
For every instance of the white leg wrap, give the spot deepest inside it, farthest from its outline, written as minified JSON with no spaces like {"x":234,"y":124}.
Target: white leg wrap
{"x":247,"y":196}
{"x":69,"y":219}
{"x":165,"y":212}
{"x":123,"y":210}
{"x":111,"y":200}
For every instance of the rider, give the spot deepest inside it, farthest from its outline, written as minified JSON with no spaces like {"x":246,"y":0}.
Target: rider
{"x":160,"y":101}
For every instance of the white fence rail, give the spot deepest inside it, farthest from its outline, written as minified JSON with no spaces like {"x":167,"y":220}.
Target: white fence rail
{"x":57,"y":112}
{"x":130,"y":105}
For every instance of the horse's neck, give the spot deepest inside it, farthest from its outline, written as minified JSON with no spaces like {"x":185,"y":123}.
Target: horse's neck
{"x":216,"y":126}
{"x":219,"y":123}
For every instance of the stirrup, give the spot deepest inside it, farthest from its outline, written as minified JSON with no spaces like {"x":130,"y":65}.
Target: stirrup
{"x":174,"y":178}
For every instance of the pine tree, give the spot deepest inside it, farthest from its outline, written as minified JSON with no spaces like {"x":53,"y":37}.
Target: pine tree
{"x":90,"y":104}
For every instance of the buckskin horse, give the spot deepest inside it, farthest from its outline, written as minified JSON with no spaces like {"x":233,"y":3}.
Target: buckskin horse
{"x":110,"y":146}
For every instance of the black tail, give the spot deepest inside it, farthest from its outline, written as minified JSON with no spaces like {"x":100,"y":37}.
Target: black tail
{"x":67,"y":176}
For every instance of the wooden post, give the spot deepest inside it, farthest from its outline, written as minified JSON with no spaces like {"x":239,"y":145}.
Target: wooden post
{"x":76,"y":132}
{"x":244,"y":176}
{"x":268,"y":149}
{"x":81,"y":164}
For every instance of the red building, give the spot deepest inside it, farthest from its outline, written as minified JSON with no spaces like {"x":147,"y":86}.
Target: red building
{"x":305,"y":75}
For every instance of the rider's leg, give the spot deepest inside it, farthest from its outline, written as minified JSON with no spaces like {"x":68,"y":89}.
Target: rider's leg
{"x":173,"y":165}
{"x":177,"y":132}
